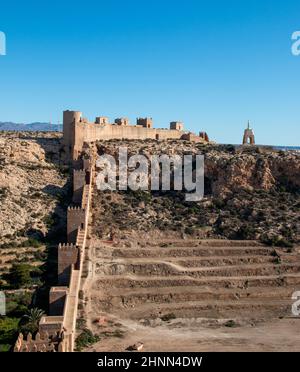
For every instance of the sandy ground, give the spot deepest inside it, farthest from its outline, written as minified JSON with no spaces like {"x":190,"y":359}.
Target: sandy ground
{"x":279,"y":335}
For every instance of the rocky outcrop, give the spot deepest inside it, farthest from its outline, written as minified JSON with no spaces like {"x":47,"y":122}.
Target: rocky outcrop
{"x":228,"y":169}
{"x":250,"y":193}
{"x":32,"y":180}
{"x":251,"y":170}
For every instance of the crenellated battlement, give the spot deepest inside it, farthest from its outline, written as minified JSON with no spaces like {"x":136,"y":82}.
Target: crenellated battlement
{"x":79,"y":171}
{"x":78,"y":131}
{"x":67,"y":247}
{"x":75,"y":208}
{"x":42,"y":342}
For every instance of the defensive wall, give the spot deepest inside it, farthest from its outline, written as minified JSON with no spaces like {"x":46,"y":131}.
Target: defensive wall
{"x":57,"y":330}
{"x":78,"y":130}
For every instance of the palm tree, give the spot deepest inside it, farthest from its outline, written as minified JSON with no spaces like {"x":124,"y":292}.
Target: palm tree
{"x":33,"y":316}
{"x":30,"y":321}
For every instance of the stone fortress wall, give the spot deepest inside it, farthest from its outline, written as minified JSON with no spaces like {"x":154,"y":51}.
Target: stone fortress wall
{"x":78,"y":130}
{"x":58,"y":329}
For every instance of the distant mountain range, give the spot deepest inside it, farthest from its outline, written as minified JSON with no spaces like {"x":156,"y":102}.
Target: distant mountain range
{"x":38,"y":127}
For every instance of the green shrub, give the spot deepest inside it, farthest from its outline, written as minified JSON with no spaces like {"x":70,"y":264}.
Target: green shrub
{"x":40,"y":256}
{"x":276,"y":241}
{"x":19,"y":275}
{"x":8,"y":332}
{"x":17,"y":304}
{"x":167,"y":317}
{"x":86,"y":338}
{"x":189,"y":230}
{"x":245,"y":232}
{"x":230,"y":323}
{"x":8,"y":245}
{"x":81,"y":323}
{"x":31,"y":242}
{"x":116,"y":333}
{"x":49,"y":221}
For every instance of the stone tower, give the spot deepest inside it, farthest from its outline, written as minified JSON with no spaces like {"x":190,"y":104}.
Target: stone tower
{"x":249,"y":138}
{"x":69,"y":133}
{"x":176,"y":125}
{"x":145,"y":122}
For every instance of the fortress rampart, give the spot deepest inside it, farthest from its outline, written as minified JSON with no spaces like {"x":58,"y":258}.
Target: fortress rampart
{"x":78,"y":130}
{"x":57,"y":330}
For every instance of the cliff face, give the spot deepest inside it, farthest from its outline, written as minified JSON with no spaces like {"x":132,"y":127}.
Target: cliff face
{"x":227,"y":169}
{"x":250,"y":193}
{"x":252,"y":170}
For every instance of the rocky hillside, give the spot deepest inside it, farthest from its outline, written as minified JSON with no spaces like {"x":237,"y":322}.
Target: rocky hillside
{"x":33,"y":198}
{"x":250,"y":193}
{"x":32,"y":185}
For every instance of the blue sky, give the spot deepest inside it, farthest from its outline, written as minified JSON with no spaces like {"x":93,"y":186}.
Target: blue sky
{"x":211,"y":64}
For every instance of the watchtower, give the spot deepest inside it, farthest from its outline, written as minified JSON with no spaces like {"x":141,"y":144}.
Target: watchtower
{"x":176,"y":125}
{"x":70,"y":118}
{"x":68,"y":255}
{"x":101,"y":120}
{"x":75,"y":221}
{"x":144,"y":122}
{"x":122,"y":121}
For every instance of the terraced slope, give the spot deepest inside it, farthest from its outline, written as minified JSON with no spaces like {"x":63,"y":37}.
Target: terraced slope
{"x":239,"y":280}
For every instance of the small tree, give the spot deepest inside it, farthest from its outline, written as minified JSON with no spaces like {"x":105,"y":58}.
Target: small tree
{"x":30,"y":321}
{"x":34,"y":315}
{"x":19,"y":275}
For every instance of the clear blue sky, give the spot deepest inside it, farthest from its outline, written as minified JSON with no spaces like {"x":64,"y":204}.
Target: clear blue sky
{"x":211,"y":64}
